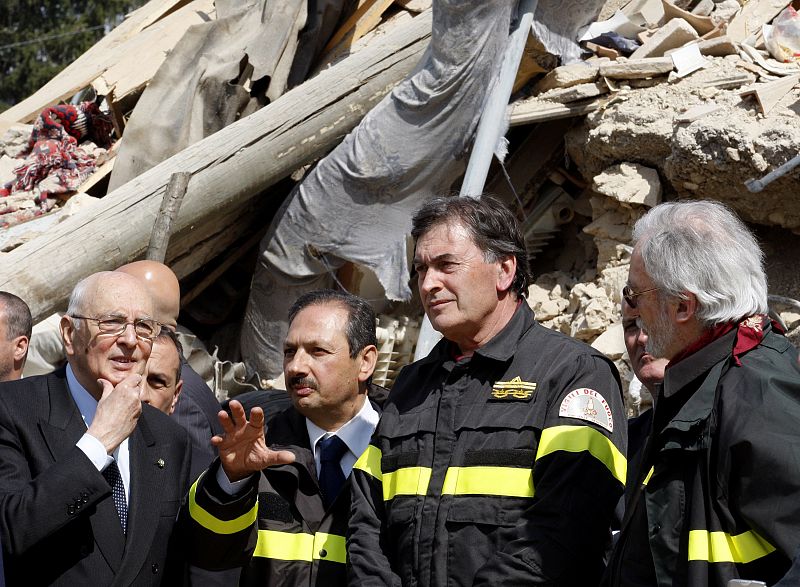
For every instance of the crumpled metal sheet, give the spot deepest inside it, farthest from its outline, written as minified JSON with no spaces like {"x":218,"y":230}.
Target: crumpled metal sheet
{"x":356,"y":204}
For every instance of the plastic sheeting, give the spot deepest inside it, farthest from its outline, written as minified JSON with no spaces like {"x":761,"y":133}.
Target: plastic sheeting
{"x":356,"y":204}
{"x":221,"y":71}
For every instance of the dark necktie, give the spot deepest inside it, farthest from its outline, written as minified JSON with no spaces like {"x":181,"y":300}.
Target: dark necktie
{"x":113,"y":477}
{"x":331,"y":477}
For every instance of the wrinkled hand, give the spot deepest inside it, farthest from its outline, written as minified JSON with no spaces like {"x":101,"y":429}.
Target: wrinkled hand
{"x":243,"y":449}
{"x":118,"y":411}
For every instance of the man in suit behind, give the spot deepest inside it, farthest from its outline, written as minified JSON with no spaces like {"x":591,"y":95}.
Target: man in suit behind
{"x":91,"y":479}
{"x":197,"y":407}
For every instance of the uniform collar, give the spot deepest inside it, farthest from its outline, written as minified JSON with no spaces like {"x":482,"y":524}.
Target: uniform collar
{"x":693,"y":366}
{"x":501,"y":347}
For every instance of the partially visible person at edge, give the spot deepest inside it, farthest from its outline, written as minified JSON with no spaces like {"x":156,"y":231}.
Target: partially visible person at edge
{"x":295,"y":530}
{"x":499,"y":458}
{"x":716,"y":491}
{"x":15,"y":335}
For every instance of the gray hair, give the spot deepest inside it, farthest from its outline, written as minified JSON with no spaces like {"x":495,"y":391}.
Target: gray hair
{"x":702,"y":247}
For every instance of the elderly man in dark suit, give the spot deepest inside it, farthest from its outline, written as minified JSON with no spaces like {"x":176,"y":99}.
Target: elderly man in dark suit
{"x":90,"y":478}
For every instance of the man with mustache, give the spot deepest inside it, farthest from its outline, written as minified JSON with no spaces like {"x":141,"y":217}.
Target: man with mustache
{"x":499,"y":458}
{"x":715,"y":491}
{"x":91,"y":480}
{"x":303,"y":502}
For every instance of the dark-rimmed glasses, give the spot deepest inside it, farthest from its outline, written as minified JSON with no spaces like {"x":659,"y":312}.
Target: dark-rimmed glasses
{"x":630,"y":296}
{"x":144,"y":328}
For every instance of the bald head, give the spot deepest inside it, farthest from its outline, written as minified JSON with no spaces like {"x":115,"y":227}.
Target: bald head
{"x":163,"y":287}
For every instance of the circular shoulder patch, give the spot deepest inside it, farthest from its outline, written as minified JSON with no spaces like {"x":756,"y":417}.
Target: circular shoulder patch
{"x":587,"y":404}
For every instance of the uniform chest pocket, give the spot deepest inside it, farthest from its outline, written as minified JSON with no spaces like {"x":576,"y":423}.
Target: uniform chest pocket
{"x":406,"y":433}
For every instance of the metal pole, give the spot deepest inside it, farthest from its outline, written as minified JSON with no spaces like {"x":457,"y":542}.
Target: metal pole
{"x":492,"y":123}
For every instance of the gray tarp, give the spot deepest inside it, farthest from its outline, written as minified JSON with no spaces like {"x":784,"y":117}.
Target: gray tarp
{"x":356,"y":204}
{"x":221,"y":71}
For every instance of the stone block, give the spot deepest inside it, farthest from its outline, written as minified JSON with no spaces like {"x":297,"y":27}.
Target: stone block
{"x":637,"y":69}
{"x":676,"y":33}
{"x":567,"y":76}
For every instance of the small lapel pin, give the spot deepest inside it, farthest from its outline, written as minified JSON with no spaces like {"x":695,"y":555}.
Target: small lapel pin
{"x":160,"y":463}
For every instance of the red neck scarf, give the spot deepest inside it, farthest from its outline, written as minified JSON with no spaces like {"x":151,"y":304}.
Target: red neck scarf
{"x":749,"y":334}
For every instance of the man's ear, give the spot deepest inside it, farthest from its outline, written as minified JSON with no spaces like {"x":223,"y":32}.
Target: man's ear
{"x":507,"y":269}
{"x":178,"y":389}
{"x":20,"y":348}
{"x":67,"y":328}
{"x":686,"y":309}
{"x":368,"y":358}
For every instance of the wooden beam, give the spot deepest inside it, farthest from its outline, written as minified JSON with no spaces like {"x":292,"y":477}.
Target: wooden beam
{"x":228,"y":169}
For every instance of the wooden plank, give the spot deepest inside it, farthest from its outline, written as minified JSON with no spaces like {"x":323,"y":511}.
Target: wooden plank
{"x":363,"y":20}
{"x":106,"y":52}
{"x":752,"y":16}
{"x":229,"y":169}
{"x":530,"y":111}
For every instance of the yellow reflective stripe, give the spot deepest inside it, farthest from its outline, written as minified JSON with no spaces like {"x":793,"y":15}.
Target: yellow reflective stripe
{"x":647,"y":477}
{"x":370,"y":462}
{"x":583,"y":438}
{"x":210,"y":522}
{"x":406,"y":481}
{"x":502,"y":481}
{"x":719,"y":547}
{"x":290,"y":546}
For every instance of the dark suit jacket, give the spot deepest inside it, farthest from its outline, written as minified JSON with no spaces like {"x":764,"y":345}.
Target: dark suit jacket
{"x":196,"y":411}
{"x":58,"y":523}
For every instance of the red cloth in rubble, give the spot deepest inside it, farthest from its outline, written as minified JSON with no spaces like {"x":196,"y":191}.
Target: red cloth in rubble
{"x":54,"y":164}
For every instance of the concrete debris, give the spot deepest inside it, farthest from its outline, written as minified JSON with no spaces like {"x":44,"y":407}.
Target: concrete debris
{"x":630,"y":183}
{"x":611,"y":342}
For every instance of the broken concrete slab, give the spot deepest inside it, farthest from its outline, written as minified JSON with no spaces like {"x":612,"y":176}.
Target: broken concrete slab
{"x":676,"y":33}
{"x":567,"y":76}
{"x":637,"y":68}
{"x":630,"y":183}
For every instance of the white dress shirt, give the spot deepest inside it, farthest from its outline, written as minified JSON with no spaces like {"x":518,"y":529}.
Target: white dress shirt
{"x":356,"y":434}
{"x":90,"y":445}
